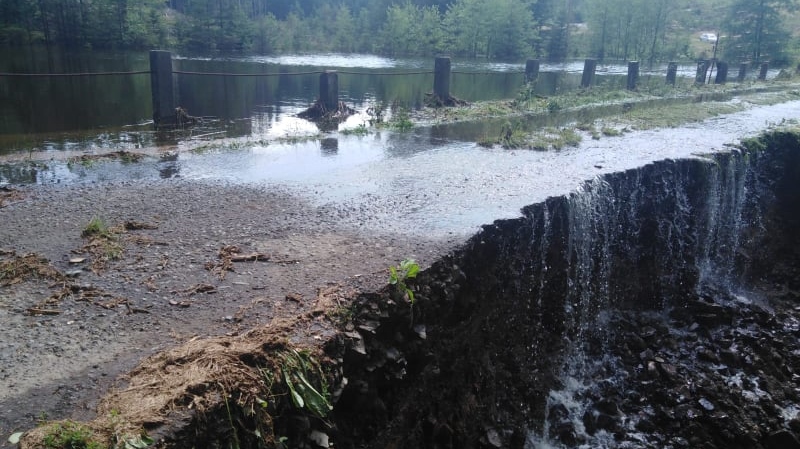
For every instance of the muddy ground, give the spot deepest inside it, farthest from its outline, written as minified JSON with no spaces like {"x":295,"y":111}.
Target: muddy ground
{"x":67,"y":339}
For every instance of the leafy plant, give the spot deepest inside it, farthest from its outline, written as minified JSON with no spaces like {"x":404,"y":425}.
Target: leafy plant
{"x":553,"y":106}
{"x":402,"y":121}
{"x":407,"y":269}
{"x":301,"y":372}
{"x":138,"y":442}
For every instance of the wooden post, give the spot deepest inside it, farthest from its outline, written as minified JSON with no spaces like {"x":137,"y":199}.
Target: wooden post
{"x":161,"y":86}
{"x":531,"y":70}
{"x":441,"y":78}
{"x":742,"y":72}
{"x":633,"y":74}
{"x":700,"y":77}
{"x":762,"y":75}
{"x":672,"y":73}
{"x":722,"y":73}
{"x":329,"y":90}
{"x":589,"y":67}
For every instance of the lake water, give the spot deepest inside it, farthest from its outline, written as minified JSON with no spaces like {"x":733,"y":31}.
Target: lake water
{"x":87,"y":113}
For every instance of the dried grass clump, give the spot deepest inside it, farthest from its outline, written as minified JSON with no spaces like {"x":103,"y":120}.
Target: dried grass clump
{"x":227,"y":388}
{"x":16,"y":269}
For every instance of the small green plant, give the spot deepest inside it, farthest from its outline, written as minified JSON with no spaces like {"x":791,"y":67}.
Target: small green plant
{"x":407,"y":269}
{"x":343,"y":314}
{"x":402,"y":120}
{"x":553,"y":106}
{"x":70,"y":435}
{"x":360,"y":130}
{"x":96,"y":228}
{"x":306,"y":382}
{"x":376,"y":114}
{"x":103,"y":242}
{"x":611,"y":132}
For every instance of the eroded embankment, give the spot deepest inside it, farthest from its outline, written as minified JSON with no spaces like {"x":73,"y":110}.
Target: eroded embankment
{"x":655,"y":307}
{"x":631,"y":313}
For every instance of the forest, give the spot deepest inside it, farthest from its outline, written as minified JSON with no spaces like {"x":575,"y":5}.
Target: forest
{"x":646,"y":30}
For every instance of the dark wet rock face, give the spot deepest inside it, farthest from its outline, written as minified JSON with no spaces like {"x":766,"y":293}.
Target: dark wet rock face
{"x":652,"y":308}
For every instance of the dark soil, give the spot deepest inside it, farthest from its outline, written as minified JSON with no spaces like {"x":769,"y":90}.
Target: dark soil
{"x":185,"y":259}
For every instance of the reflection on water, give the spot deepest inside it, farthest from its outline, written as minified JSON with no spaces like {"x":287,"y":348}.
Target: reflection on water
{"x":113,"y":112}
{"x":421,"y":180}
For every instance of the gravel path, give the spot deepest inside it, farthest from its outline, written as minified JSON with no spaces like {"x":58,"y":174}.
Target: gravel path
{"x":56,"y":366}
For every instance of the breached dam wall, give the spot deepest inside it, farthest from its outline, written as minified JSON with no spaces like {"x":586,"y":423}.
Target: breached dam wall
{"x":533,"y":304}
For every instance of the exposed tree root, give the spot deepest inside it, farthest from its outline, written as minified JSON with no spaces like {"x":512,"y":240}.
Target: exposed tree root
{"x":434,"y":101}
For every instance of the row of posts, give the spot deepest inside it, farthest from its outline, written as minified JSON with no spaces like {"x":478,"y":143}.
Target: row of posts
{"x":164,"y":104}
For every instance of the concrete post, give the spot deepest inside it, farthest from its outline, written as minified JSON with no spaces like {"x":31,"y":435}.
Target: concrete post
{"x":329,"y":90}
{"x":531,"y":70}
{"x":441,"y":78}
{"x":633,"y":74}
{"x":762,"y":75}
{"x":589,"y":68}
{"x":672,"y":73}
{"x":722,"y":73}
{"x":700,"y":76}
{"x":161,"y":87}
{"x":742,"y":72}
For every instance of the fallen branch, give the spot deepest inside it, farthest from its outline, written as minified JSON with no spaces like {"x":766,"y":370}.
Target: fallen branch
{"x":255,"y":257}
{"x":38,"y":311}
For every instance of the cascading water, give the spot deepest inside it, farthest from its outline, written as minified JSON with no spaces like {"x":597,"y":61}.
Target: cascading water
{"x":682,"y":223}
{"x":618,"y":316}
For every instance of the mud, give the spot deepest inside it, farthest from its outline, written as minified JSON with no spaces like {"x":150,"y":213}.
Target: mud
{"x":158,"y":292}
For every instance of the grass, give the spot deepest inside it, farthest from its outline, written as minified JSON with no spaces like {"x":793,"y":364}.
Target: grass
{"x":554,"y":138}
{"x":70,"y":435}
{"x":103,"y":243}
{"x":360,"y":130}
{"x":401,"y":121}
{"x":516,"y":136}
{"x":96,"y":228}
{"x":655,"y":105}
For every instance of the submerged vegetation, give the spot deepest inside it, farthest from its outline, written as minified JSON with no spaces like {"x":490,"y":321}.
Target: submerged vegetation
{"x":611,"y":111}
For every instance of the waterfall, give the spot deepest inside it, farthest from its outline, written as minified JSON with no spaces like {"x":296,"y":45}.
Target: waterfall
{"x":680,"y":224}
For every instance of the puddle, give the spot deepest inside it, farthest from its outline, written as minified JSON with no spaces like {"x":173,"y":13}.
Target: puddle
{"x":419,"y":180}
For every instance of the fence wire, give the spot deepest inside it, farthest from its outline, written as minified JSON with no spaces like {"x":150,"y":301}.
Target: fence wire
{"x":55,"y":75}
{"x":229,"y":74}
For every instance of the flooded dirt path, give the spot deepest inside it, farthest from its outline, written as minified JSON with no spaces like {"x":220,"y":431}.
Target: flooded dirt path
{"x":319,"y":219}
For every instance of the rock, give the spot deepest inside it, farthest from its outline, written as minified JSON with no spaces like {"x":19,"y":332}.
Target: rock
{"x":493,"y":438}
{"x":607,"y":422}
{"x":706,"y":404}
{"x":795,"y":425}
{"x":319,"y":438}
{"x":668,"y":371}
{"x":782,"y":439}
{"x":608,"y":407}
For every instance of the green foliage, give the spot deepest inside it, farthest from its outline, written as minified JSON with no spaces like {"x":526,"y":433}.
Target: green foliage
{"x":500,"y":28}
{"x":610,"y":132}
{"x":401,"y":120}
{"x":411,"y":30}
{"x":631,"y":29}
{"x":306,"y":382}
{"x":96,"y":227}
{"x":70,"y":435}
{"x":647,"y":30}
{"x":360,"y":130}
{"x":755,"y":30}
{"x":407,"y":269}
